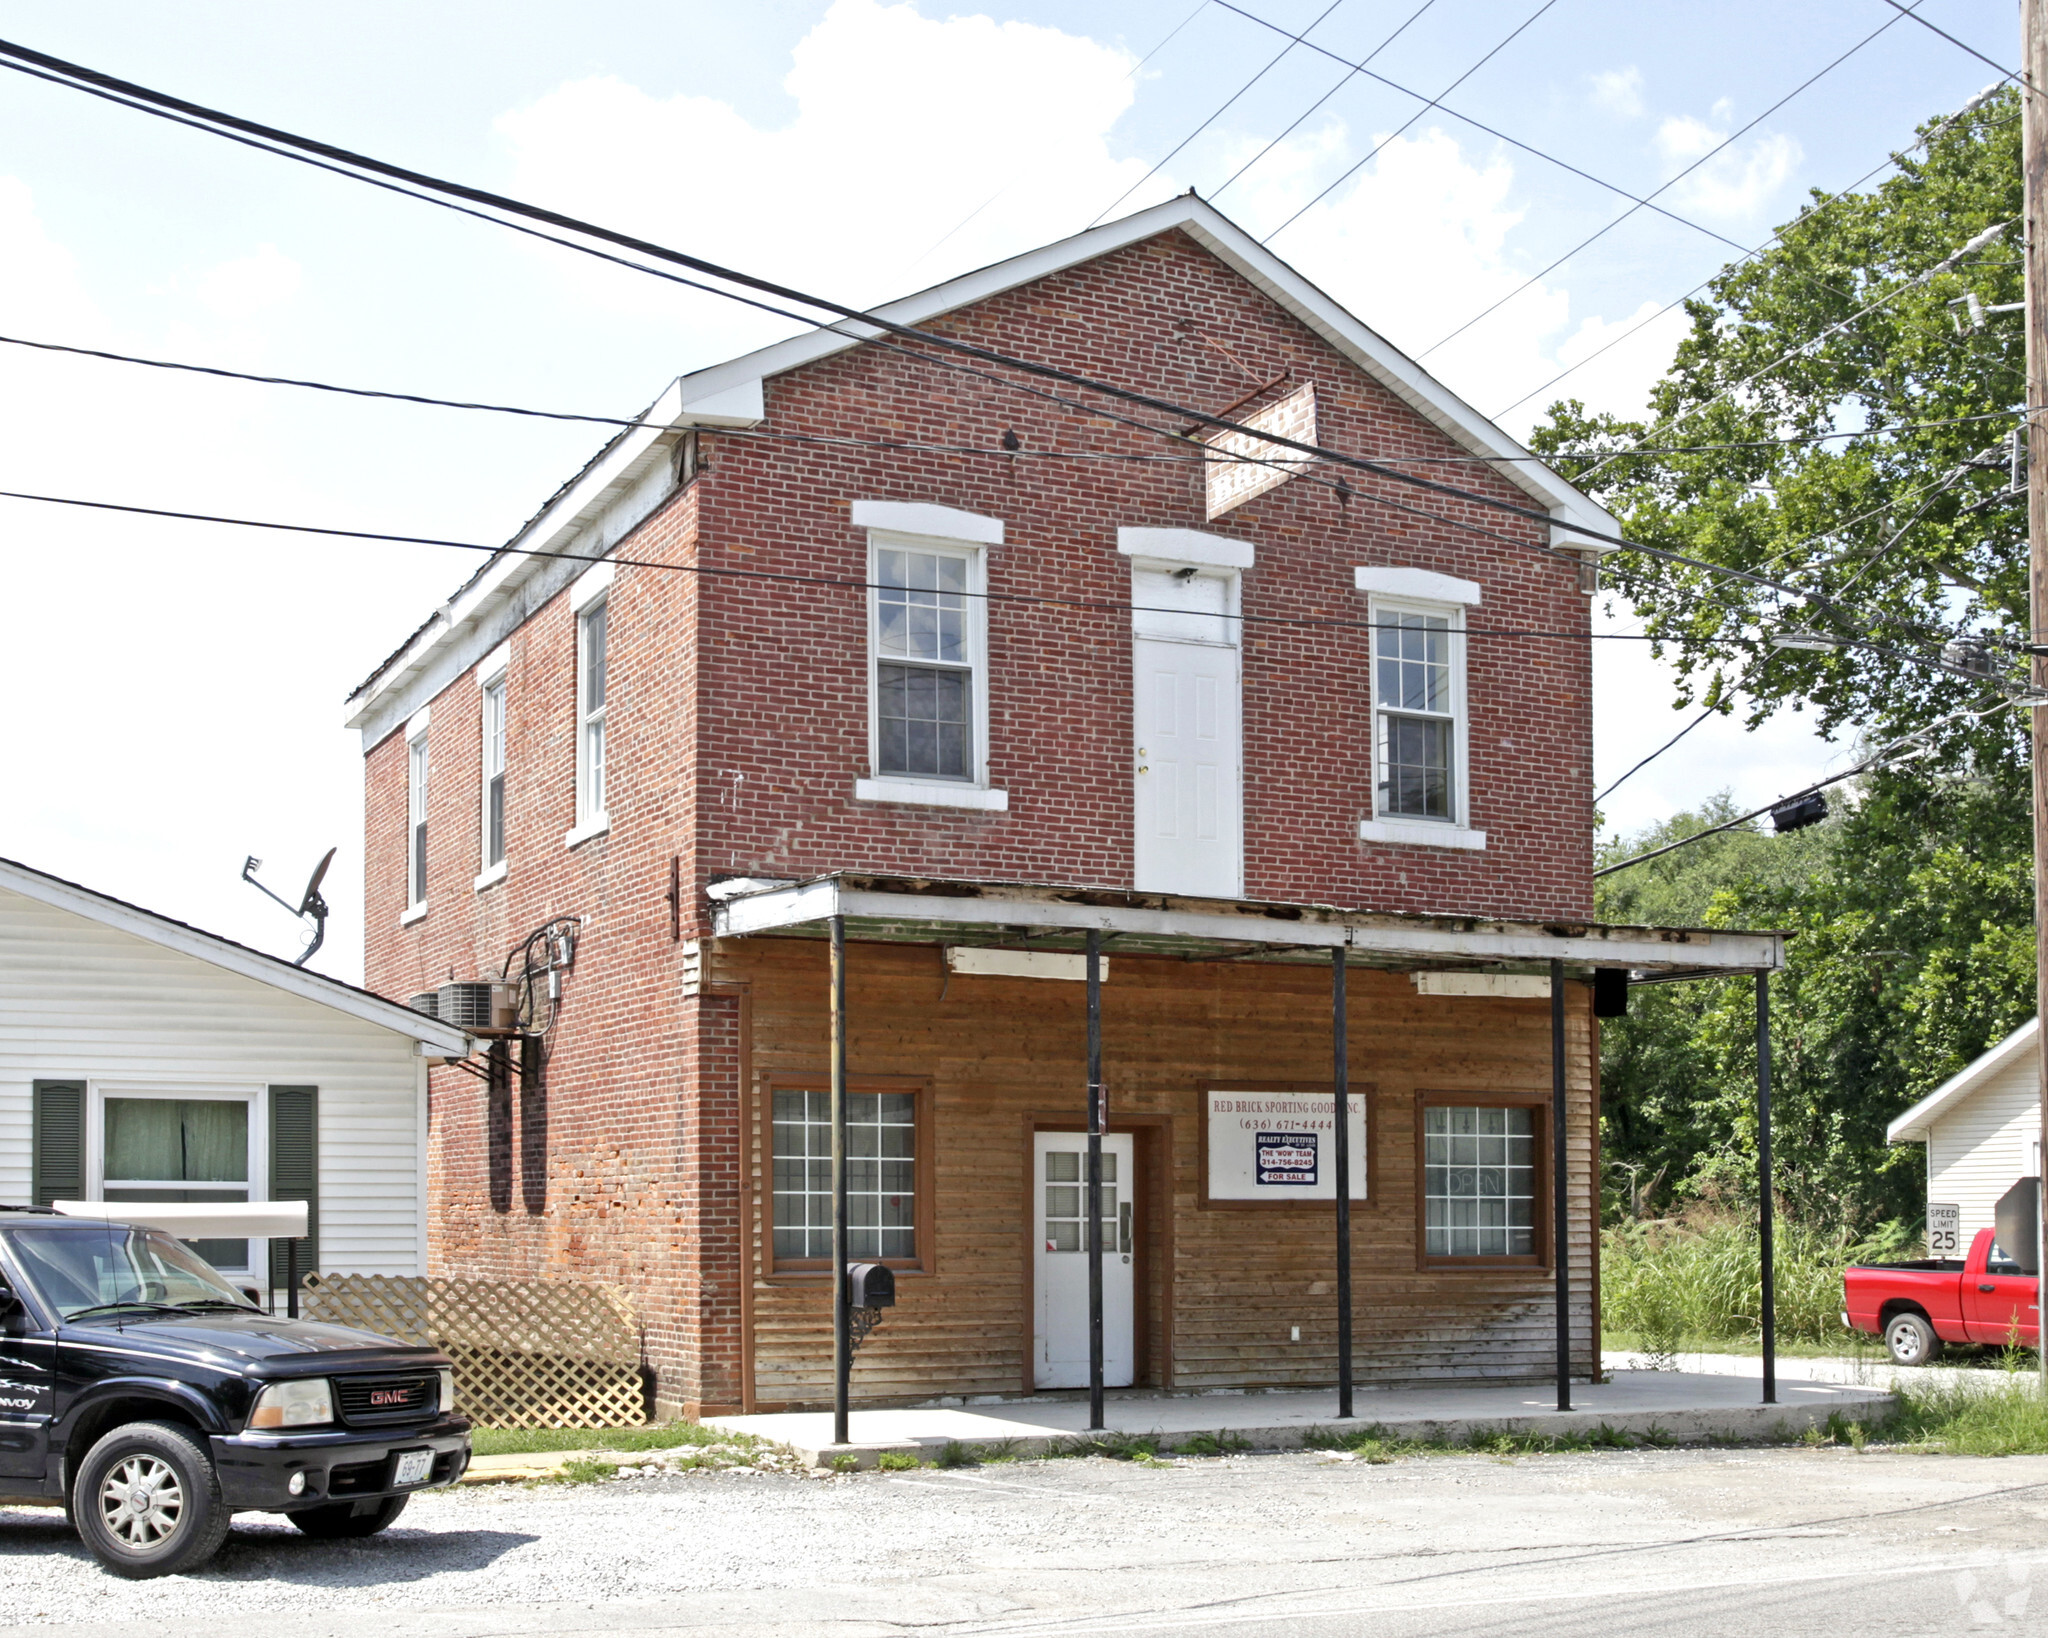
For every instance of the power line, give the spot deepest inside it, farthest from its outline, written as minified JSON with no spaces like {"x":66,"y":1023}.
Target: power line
{"x":383,"y":174}
{"x":2012,"y":74}
{"x":1161,"y":164}
{"x":1803,"y":220}
{"x":1349,"y":74}
{"x":1476,"y":124}
{"x":1435,"y":101}
{"x":1719,"y":147}
{"x":432,"y":402}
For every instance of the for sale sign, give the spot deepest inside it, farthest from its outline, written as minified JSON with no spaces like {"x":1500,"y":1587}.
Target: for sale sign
{"x":1944,"y":1229}
{"x":1286,"y":1158}
{"x":1280,"y":1146}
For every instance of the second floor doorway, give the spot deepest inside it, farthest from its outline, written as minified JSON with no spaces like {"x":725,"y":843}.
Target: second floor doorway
{"x":1187,"y":734}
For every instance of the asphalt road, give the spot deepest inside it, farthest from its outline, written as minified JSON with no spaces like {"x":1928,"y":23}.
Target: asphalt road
{"x":1648,"y":1543}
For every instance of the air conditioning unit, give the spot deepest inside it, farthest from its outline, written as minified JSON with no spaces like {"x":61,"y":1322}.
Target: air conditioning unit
{"x":479,"y":1006}
{"x":426,"y":1002}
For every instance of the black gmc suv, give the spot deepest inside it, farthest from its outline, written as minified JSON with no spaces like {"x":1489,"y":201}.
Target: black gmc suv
{"x":152,"y":1400}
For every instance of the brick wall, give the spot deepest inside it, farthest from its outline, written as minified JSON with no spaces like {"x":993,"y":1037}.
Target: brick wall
{"x":737,"y":725}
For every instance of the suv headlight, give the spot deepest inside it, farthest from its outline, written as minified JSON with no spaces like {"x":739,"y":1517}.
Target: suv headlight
{"x":447,"y":1392}
{"x":293,"y":1405}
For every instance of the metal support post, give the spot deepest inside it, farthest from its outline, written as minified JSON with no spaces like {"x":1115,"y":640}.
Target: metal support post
{"x":1097,"y":1115}
{"x":842,"y":1315}
{"x":1560,"y":1193}
{"x":1340,"y":1057}
{"x":1765,"y":1205}
{"x":2034,"y":176}
{"x":291,"y":1278}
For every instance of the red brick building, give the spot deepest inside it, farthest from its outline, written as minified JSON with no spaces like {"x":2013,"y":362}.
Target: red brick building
{"x":848,"y":629}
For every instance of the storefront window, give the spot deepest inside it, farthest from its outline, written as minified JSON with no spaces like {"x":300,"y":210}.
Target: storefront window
{"x":881,"y":1168}
{"x":1479,"y":1181}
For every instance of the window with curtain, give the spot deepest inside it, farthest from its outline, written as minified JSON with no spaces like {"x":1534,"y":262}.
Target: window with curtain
{"x":1479,"y":1180}
{"x":881,"y":1176}
{"x":179,"y":1149}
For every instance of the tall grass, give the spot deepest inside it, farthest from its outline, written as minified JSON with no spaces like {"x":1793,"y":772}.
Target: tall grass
{"x":1953,"y":1414}
{"x":1699,"y":1280}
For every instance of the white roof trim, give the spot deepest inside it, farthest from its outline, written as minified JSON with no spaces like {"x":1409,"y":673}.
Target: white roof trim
{"x":925,"y":519}
{"x":1917,"y":1123}
{"x":232,"y":957}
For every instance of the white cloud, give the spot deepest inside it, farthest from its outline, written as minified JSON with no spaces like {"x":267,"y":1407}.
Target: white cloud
{"x":1735,"y":184}
{"x":1619,"y":91}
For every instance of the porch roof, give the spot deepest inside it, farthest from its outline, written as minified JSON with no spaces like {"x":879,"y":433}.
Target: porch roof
{"x":923,"y":910}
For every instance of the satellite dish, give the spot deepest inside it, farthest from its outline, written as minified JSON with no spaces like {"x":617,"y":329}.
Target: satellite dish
{"x":310,"y":902}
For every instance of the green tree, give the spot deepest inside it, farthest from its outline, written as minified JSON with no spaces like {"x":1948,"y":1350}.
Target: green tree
{"x":1903,"y":535}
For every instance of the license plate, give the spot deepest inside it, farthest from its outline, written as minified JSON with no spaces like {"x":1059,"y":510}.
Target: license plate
{"x":414,"y":1467}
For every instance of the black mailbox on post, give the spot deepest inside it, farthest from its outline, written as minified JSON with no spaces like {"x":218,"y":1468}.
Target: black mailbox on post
{"x":870,"y":1285}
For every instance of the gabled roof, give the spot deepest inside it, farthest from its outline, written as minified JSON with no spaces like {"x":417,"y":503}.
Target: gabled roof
{"x":1917,"y":1123}
{"x":730,"y":395}
{"x":225,"y":953}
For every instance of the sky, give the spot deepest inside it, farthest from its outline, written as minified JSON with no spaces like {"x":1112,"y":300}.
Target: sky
{"x":178,"y":686}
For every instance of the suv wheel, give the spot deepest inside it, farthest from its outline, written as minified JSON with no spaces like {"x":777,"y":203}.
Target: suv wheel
{"x":146,"y":1501}
{"x":1911,"y":1340}
{"x":343,"y":1521}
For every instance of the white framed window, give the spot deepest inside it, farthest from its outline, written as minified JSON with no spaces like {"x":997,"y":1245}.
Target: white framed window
{"x":593,"y":622}
{"x":492,"y":775}
{"x":1420,"y":735}
{"x":416,"y":769}
{"x":194,"y":1145}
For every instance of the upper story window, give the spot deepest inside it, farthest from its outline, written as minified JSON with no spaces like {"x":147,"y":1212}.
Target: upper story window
{"x":493,"y":773}
{"x":1416,"y":712}
{"x":416,"y":820}
{"x":924,"y":657}
{"x":591,"y":633}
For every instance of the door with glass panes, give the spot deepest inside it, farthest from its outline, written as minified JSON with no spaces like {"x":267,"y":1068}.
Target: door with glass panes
{"x":1059,"y":1350}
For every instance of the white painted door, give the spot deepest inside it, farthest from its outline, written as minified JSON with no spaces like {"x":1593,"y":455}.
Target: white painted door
{"x":1188,"y":803}
{"x":1059,"y":1162}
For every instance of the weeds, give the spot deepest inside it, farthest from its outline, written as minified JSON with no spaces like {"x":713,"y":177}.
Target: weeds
{"x":663,"y":1436}
{"x":1956,"y":1416}
{"x":898,"y":1461}
{"x":1211,"y":1444}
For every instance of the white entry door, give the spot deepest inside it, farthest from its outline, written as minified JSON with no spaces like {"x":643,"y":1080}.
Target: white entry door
{"x":1060,"y":1348}
{"x":1188,"y":802}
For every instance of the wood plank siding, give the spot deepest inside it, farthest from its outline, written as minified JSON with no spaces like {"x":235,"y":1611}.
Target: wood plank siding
{"x":85,"y":1002}
{"x":1220,"y":1291}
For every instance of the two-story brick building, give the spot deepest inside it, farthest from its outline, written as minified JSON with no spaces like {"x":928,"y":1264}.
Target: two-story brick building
{"x":848,"y":630}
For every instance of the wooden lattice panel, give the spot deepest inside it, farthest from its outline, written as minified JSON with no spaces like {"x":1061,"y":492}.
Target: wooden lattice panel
{"x":527,"y":1353}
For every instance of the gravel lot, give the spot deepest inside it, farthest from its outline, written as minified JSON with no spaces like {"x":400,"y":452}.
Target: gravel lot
{"x":1777,"y":1541}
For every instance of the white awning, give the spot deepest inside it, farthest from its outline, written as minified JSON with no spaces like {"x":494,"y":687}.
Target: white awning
{"x":261,"y":1220}
{"x":918,"y":910}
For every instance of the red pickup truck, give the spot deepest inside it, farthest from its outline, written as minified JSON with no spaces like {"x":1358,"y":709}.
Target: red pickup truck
{"x":1916,"y":1307}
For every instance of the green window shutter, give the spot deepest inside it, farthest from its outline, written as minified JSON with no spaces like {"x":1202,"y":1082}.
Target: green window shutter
{"x":57,"y":1164}
{"x":295,"y":1172}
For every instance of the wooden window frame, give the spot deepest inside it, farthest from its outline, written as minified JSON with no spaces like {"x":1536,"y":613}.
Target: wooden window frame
{"x":974,"y":630}
{"x":923,"y":1174}
{"x":1458,"y":718}
{"x":1539,"y":1102}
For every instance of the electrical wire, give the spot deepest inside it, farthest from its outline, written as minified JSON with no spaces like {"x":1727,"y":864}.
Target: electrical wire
{"x":1718,"y":148}
{"x":628,"y":422}
{"x":1806,"y":218}
{"x":384,"y":174}
{"x":1161,"y":164}
{"x":1350,"y":73}
{"x":2012,"y":74}
{"x":1476,"y":124}
{"x":1888,"y":755}
{"x":1435,"y":101}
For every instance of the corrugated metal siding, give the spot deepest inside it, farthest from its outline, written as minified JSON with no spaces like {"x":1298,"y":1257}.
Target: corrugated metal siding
{"x":80,"y":1000}
{"x":1984,"y":1144}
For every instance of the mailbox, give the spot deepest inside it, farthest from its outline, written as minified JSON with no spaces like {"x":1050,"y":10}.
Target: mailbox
{"x":870,"y":1285}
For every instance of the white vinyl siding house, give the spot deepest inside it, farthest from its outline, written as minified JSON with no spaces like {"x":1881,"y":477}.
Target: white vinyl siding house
{"x":1982,"y":1128}
{"x":105,"y":1008}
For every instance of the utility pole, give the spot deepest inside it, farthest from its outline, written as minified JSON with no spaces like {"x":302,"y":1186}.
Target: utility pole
{"x":2034,"y":168}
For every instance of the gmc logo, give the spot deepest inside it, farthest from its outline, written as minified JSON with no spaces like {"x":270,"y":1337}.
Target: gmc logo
{"x":391,"y":1396}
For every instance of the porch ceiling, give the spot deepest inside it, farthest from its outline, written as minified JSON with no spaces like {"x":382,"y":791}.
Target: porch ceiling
{"x":920,"y":910}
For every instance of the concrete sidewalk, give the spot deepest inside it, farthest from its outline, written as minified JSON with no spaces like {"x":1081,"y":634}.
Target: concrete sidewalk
{"x":1671,"y":1405}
